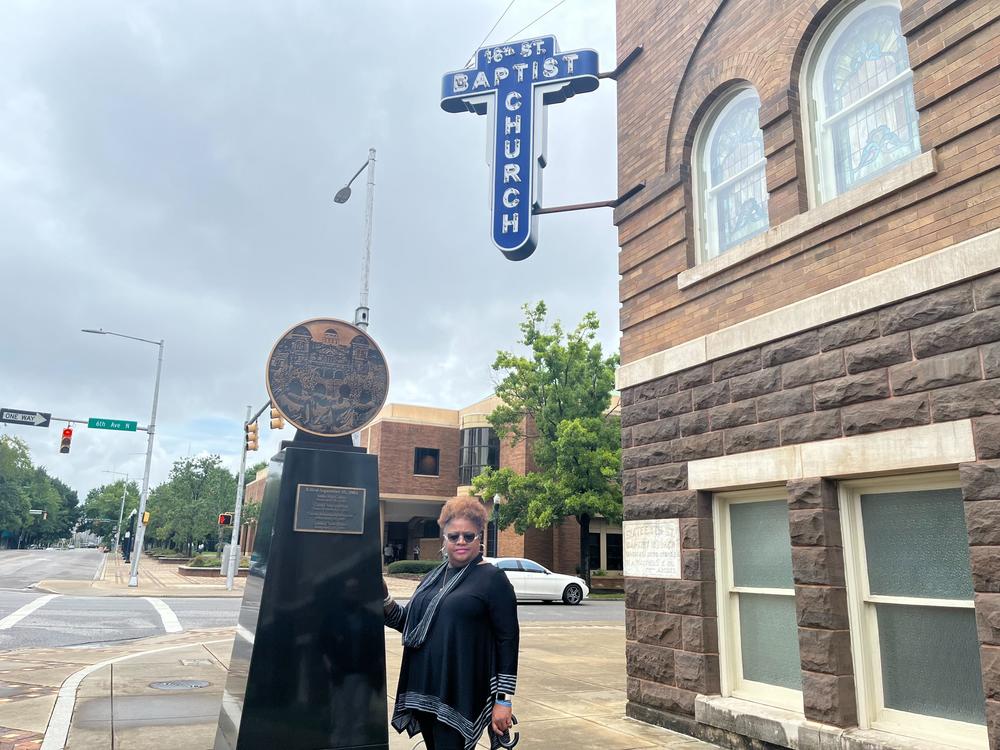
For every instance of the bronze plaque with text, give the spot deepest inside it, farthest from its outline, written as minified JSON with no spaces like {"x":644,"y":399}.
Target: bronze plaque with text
{"x":325,"y":509}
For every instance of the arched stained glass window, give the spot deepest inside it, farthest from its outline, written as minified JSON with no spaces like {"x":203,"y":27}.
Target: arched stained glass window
{"x":732,"y":183}
{"x":865,"y":120}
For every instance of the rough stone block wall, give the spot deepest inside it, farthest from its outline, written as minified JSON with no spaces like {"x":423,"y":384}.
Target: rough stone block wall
{"x":934,"y":358}
{"x":981,"y":491}
{"x":821,"y":603}
{"x":671,"y":631}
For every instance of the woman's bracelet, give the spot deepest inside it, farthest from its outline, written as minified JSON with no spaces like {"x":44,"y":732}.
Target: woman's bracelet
{"x":502,"y":703}
{"x":387,"y":601}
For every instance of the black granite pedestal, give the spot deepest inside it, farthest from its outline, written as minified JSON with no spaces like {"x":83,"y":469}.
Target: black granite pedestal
{"x":308,"y":663}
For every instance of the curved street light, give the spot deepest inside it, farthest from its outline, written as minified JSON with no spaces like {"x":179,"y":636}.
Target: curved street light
{"x":362,"y":311}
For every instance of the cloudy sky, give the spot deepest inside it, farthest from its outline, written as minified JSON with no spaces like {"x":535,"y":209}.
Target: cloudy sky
{"x":167,"y":171}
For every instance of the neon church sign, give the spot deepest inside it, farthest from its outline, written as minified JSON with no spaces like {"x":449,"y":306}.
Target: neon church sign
{"x":511,"y":83}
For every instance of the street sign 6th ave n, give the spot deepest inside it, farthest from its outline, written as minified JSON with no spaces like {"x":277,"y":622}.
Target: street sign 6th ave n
{"x":111,"y":424}
{"x":30,"y":418}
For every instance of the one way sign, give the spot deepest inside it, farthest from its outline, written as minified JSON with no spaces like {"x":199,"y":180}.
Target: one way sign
{"x":30,"y":418}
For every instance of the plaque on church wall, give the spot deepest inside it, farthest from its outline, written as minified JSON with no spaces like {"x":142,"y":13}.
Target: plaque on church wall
{"x":324,"y":509}
{"x":652,"y":549}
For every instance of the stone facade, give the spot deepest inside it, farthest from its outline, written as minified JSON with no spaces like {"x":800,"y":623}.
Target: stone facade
{"x":774,"y":343}
{"x":883,"y":370}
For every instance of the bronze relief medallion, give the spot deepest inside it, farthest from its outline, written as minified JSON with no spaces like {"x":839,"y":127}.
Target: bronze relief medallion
{"x":327,"y":377}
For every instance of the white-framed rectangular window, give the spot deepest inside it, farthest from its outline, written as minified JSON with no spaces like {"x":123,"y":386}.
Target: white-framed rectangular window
{"x":913,"y":620}
{"x":758,"y":631}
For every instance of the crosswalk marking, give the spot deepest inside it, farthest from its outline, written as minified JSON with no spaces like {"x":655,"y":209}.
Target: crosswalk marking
{"x":170,"y":622}
{"x":13,"y":619}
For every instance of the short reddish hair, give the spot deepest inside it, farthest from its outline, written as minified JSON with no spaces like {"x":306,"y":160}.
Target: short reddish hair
{"x":469,"y":508}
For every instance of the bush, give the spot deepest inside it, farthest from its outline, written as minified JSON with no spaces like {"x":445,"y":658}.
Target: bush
{"x":598,"y":572}
{"x":212,"y":560}
{"x":421,"y":567}
{"x":206,"y":560}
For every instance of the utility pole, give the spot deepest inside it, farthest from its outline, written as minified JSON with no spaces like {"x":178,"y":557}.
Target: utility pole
{"x":234,"y":548}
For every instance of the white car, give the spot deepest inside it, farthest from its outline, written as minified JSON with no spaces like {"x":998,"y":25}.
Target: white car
{"x":532,"y":581}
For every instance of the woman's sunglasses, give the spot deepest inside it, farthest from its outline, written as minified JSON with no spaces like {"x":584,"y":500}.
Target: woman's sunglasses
{"x":466,"y":536}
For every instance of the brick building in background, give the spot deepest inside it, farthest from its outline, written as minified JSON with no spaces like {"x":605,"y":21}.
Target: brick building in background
{"x":811,"y":370}
{"x":428,"y":456}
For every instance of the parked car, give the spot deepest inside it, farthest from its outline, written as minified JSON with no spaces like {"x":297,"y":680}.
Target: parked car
{"x":533,"y":581}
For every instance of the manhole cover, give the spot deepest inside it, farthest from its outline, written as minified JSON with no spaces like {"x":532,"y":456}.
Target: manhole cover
{"x":179,"y":684}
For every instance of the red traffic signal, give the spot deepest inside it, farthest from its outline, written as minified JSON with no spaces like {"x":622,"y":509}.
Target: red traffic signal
{"x":225,"y":519}
{"x":67,"y":437}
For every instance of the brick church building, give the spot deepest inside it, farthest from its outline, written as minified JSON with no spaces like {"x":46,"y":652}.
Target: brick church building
{"x":810,"y":290}
{"x":428,"y":455}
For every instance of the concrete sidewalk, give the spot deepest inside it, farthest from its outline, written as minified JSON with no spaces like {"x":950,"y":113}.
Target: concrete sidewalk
{"x":155,"y":579}
{"x":571,"y":693}
{"x":162,"y":580}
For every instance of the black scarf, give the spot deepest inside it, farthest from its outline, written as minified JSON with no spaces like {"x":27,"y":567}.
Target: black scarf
{"x":415,"y":632}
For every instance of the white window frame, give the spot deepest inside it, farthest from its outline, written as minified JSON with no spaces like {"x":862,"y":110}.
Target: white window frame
{"x":706,"y":225}
{"x":821,"y":177}
{"x":732,"y":682}
{"x":866,"y":654}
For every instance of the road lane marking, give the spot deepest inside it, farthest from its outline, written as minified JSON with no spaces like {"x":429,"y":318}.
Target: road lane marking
{"x":99,"y":573}
{"x":57,"y":731}
{"x":13,"y":619}
{"x":170,"y":622}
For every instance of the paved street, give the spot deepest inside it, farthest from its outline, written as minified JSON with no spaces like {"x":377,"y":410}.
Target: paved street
{"x":19,"y":569}
{"x":80,"y":620}
{"x":50,"y":622}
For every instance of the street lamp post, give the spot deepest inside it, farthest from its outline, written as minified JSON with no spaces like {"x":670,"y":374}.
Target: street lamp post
{"x":133,"y":579}
{"x":121,"y":512}
{"x":361,"y":313}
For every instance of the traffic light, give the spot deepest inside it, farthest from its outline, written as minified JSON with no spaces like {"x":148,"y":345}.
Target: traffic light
{"x":145,"y":518}
{"x":277,"y":421}
{"x":252,"y":441}
{"x":67,"y":438}
{"x":225,"y":519}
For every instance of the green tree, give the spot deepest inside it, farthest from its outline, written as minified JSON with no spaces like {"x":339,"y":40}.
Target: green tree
{"x":104,"y":503}
{"x":562,"y":389}
{"x":24,"y":487}
{"x":185,"y":509}
{"x":15,"y":473}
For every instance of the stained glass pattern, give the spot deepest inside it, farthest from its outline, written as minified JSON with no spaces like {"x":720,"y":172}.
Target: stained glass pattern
{"x":737,"y":186}
{"x":869,"y":107}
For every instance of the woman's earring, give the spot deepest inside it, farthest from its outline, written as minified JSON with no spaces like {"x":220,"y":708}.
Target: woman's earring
{"x":444,"y":554}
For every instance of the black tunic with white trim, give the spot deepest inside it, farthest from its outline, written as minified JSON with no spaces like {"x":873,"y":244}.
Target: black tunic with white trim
{"x":469,"y":655}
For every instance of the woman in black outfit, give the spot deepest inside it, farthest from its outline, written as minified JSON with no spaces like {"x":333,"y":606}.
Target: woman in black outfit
{"x":460,"y":638}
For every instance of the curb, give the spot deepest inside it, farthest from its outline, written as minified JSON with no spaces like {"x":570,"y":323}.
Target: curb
{"x":61,"y":718}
